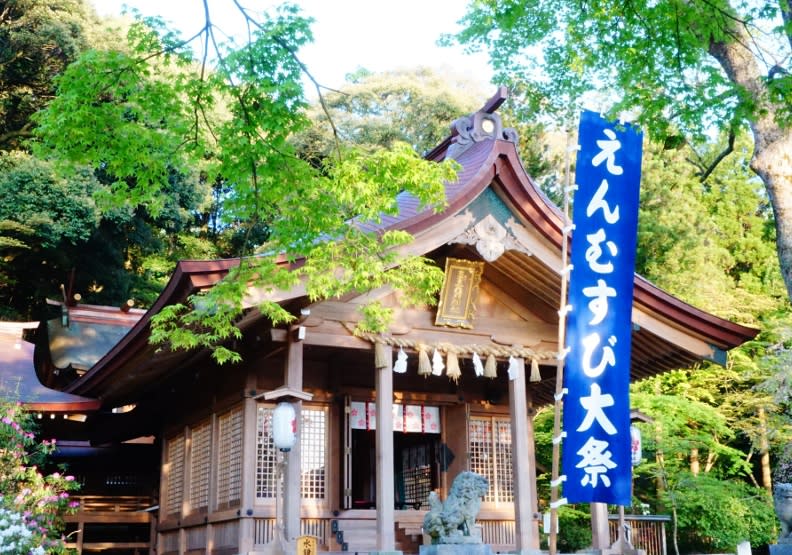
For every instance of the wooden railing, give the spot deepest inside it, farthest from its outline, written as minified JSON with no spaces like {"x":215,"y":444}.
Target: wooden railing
{"x":98,"y":514}
{"x":645,"y":532}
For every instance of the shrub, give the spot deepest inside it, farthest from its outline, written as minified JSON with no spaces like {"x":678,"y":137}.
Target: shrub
{"x":715,"y":515}
{"x":574,"y":529}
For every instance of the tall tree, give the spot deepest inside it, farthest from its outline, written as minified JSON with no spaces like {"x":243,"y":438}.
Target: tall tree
{"x":683,"y":67}
{"x":415,"y":106}
{"x":721,"y":228}
{"x":411,"y":105}
{"x":38,"y":40}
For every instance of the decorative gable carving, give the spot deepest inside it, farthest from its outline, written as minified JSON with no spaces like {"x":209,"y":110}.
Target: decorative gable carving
{"x":491,"y":239}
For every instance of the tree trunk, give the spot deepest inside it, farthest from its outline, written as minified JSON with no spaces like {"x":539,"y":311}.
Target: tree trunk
{"x":764,"y":452}
{"x":772,"y":161}
{"x":772,"y":157}
{"x":695,"y":467}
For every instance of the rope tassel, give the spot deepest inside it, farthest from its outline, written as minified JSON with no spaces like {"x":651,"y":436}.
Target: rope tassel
{"x":380,"y":355}
{"x":535,"y":375}
{"x":491,"y":367}
{"x":452,"y":367}
{"x":424,"y":366}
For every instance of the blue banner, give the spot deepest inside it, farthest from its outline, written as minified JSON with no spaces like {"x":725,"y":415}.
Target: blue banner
{"x":596,"y":449}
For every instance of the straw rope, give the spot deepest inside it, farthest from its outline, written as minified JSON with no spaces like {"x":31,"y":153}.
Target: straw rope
{"x":483,"y":350}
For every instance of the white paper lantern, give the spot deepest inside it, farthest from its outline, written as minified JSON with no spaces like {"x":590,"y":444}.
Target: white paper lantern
{"x":635,"y":445}
{"x":284,"y":426}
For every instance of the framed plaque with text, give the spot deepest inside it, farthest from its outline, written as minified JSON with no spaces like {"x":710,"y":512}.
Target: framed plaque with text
{"x":459,"y":294}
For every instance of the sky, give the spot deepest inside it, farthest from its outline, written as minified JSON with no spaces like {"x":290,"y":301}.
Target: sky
{"x":378,"y":35}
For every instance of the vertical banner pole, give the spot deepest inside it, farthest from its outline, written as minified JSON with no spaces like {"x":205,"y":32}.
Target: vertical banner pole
{"x":554,"y":483}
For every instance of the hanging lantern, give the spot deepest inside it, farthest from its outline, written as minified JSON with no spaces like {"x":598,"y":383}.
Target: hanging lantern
{"x":635,"y":445}
{"x":284,"y":426}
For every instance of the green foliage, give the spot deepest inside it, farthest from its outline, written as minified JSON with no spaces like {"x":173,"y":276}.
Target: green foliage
{"x":59,"y":209}
{"x":149,"y":113}
{"x":721,"y":229}
{"x":114,"y":109}
{"x":682,"y":425}
{"x":556,"y":51}
{"x":38,"y":39}
{"x":574,"y":529}
{"x":414,"y":106}
{"x":715,"y":515}
{"x":25,"y":489}
{"x":681,"y":69}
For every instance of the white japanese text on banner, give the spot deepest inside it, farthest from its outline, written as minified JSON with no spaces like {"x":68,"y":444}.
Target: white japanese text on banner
{"x":596,"y":451}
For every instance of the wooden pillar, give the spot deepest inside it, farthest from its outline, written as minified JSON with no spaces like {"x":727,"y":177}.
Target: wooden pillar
{"x":248,"y":472}
{"x":600,"y":535}
{"x":531,"y":438}
{"x":386,"y":530}
{"x":293,"y":377}
{"x":524,"y":465}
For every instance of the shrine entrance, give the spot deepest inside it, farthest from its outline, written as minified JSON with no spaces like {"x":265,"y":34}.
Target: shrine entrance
{"x":417,"y":456}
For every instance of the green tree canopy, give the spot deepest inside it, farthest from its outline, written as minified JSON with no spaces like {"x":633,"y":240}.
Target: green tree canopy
{"x":37,"y":41}
{"x":149,"y":111}
{"x":683,"y":68}
{"x":415,"y":106}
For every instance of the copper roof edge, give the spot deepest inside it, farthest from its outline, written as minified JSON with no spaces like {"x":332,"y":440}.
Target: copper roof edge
{"x":179,"y":287}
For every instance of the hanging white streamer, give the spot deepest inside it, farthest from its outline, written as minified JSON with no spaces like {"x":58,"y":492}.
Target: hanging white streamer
{"x":400,"y":366}
{"x":512,"y":368}
{"x":437,"y":363}
{"x":478,"y":367}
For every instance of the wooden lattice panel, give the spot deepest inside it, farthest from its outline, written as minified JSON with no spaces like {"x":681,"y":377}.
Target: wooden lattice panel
{"x":504,"y":477}
{"x":200,"y":464}
{"x":313,"y":445}
{"x":266,"y":456}
{"x":229,"y":457}
{"x":174,"y":467}
{"x":490,"y":456}
{"x":313,"y":441}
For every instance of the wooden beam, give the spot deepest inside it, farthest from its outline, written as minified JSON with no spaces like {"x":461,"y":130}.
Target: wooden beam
{"x":681,"y":337}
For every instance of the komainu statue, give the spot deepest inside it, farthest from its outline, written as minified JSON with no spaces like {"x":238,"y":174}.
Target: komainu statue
{"x":782,"y":499}
{"x":453,"y":521}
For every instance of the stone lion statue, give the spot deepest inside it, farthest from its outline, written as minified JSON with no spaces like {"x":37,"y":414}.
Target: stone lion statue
{"x":782,"y":500}
{"x":453,"y":521}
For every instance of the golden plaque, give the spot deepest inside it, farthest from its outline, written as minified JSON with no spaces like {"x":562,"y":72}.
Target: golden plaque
{"x":459,"y":294}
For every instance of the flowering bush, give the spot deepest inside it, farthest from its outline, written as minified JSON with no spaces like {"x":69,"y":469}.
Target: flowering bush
{"x":32,"y":503}
{"x":18,"y":534}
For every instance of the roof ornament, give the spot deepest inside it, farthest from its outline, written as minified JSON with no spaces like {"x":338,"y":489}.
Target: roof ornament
{"x":479,"y":126}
